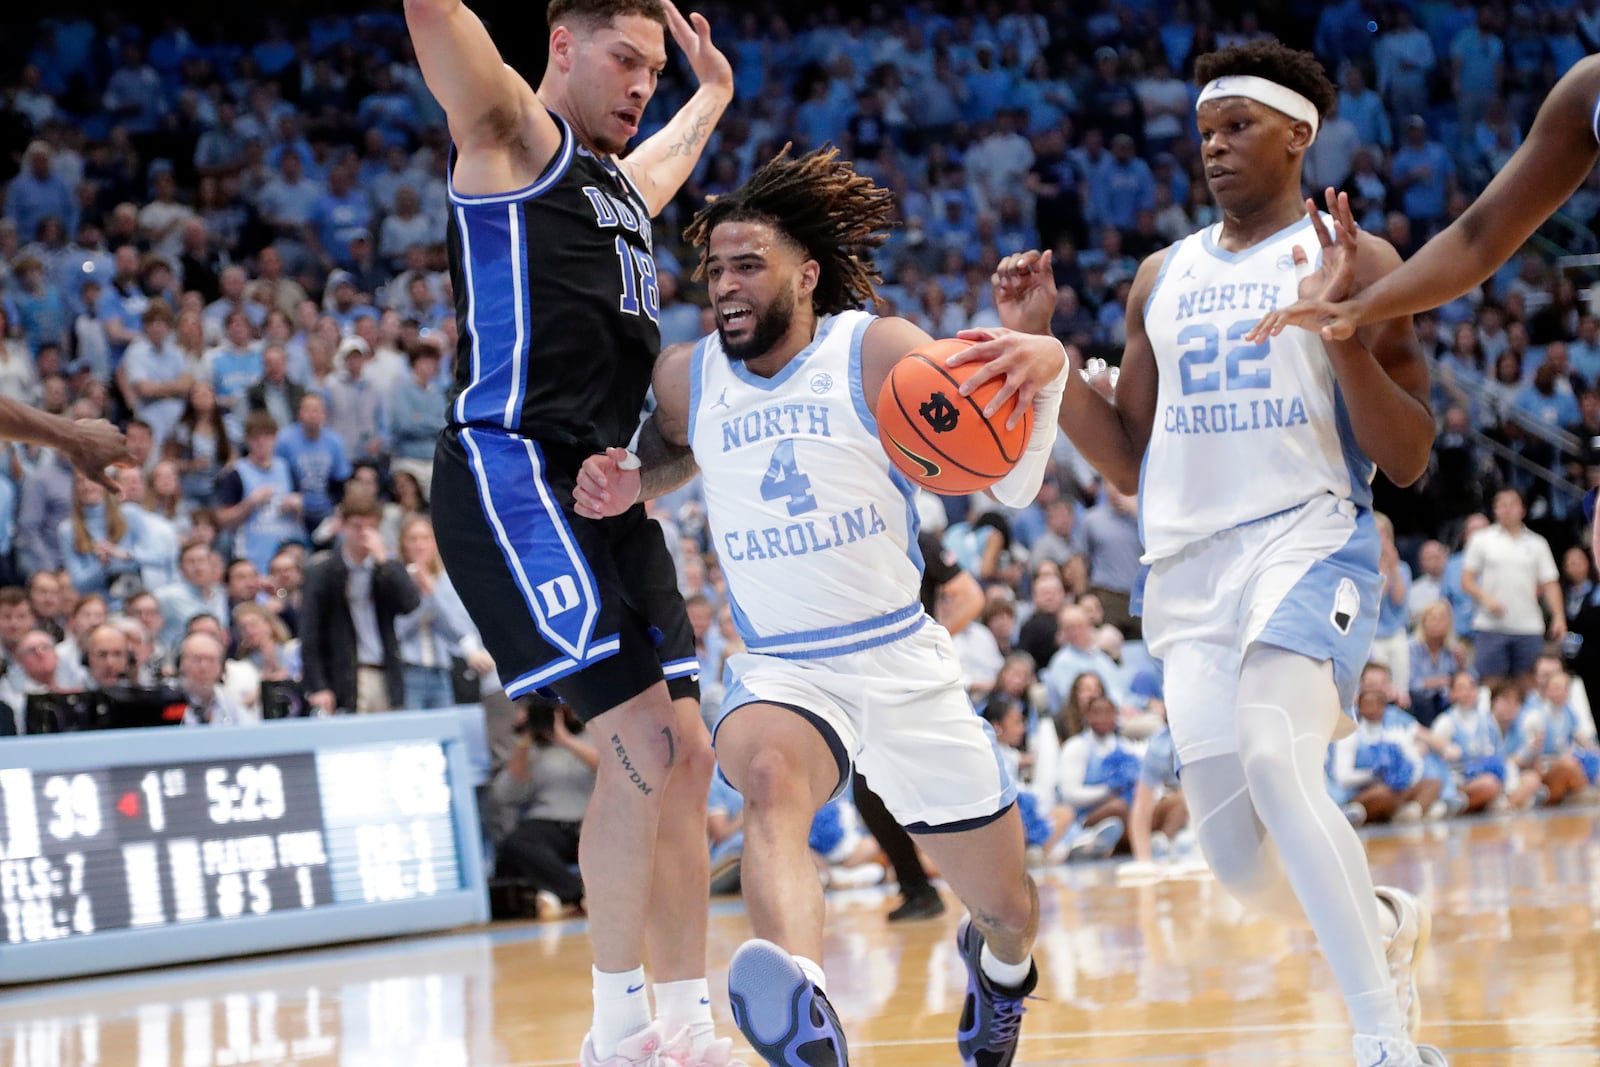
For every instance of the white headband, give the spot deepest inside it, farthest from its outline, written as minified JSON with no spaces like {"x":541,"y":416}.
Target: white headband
{"x":1278,"y":97}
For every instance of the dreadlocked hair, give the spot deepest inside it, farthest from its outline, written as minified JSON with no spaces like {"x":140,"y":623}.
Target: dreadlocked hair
{"x":819,"y":202}
{"x":1275,"y":61}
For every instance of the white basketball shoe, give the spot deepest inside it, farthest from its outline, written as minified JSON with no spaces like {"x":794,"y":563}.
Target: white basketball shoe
{"x":1413,"y":927}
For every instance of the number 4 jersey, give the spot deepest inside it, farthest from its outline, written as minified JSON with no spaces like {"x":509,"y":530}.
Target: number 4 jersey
{"x":815,"y":530}
{"x":1241,"y":431}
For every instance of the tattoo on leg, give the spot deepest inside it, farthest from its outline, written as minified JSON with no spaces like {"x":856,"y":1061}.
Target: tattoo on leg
{"x":628,"y":768}
{"x":672,"y":747}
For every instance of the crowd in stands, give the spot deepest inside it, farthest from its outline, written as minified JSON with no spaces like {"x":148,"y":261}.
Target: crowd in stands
{"x":230,"y":239}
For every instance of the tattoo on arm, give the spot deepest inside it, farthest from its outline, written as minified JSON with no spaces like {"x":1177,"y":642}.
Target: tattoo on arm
{"x":691,"y":140}
{"x":663,"y":466}
{"x":672,"y":747}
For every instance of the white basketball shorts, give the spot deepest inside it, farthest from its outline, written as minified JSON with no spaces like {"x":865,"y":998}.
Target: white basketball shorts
{"x":899,"y":713}
{"x":1305,"y":580}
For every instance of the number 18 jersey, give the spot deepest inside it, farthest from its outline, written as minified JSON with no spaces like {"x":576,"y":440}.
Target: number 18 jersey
{"x":1241,"y":431}
{"x":816,"y":532}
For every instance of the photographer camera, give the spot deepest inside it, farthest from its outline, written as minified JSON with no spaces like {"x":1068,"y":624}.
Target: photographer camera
{"x":546,"y":781}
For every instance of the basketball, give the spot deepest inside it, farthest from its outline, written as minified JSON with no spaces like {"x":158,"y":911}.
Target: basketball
{"x":939,"y":438}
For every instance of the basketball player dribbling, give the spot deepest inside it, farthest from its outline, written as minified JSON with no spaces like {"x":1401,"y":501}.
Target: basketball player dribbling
{"x":817,"y":536}
{"x":1254,"y":501}
{"x":557,"y":308}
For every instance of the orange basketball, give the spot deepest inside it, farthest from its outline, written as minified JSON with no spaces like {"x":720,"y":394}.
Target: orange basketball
{"x":939,"y":438}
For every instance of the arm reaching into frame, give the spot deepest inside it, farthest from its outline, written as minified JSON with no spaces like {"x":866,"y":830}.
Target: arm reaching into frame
{"x":1559,"y":154}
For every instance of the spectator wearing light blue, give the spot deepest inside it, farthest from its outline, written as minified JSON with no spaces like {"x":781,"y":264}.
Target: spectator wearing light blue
{"x":1433,"y":663}
{"x":37,"y":194}
{"x":1478,"y":68}
{"x":98,"y":546}
{"x":439,"y":630}
{"x":1546,"y":401}
{"x":122,"y":304}
{"x":317,"y":457}
{"x":338,"y":213}
{"x":1391,"y":645}
{"x":287,"y":200}
{"x":156,"y":374}
{"x":197,"y":591}
{"x":1122,"y":188}
{"x":989,"y":85}
{"x":1110,"y":535}
{"x":232,"y":282}
{"x":387,"y":108}
{"x":1405,"y":58}
{"x":1078,"y":655}
{"x":233,"y":367}
{"x":1425,"y":175}
{"x":41,"y":310}
{"x":258,"y":497}
{"x":134,"y":96}
{"x":1364,"y":108}
{"x":416,"y":413}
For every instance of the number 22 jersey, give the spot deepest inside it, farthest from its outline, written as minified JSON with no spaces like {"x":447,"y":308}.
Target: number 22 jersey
{"x":815,"y":530}
{"x":1241,"y":431}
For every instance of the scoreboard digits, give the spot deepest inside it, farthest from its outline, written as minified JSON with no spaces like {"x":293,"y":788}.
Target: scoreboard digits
{"x":152,"y":845}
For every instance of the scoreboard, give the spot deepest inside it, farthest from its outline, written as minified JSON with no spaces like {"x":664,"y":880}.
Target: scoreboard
{"x":132,"y":848}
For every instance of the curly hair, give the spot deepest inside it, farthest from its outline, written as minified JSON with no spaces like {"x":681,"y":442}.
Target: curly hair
{"x":818,"y":201}
{"x":1275,"y":61}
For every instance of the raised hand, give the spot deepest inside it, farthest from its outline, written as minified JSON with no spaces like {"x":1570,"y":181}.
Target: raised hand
{"x":608,"y":484}
{"x":1024,"y":289}
{"x":1027,"y":361}
{"x":1324,"y":305}
{"x":693,"y":35}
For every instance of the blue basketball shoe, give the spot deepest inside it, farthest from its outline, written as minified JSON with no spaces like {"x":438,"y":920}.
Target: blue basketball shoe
{"x":991,"y":1020}
{"x":786,"y":1019}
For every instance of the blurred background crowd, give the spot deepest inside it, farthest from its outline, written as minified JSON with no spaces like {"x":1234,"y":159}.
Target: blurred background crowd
{"x":225,"y":232}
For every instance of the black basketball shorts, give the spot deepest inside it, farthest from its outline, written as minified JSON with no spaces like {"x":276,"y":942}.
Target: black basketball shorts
{"x":587,"y":610}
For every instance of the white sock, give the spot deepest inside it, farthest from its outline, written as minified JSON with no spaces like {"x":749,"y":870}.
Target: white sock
{"x":1003,"y":974}
{"x":685,"y":1004}
{"x":621,"y":1009}
{"x":812,"y":970}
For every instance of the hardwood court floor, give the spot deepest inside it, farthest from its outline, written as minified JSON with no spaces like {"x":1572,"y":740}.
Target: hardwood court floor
{"x":1169,"y":972}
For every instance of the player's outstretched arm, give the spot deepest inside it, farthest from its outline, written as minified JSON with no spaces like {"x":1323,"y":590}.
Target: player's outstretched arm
{"x":91,"y":445}
{"x":661,"y":165}
{"x":1559,"y":153}
{"x":486,"y":103}
{"x":612,"y":482}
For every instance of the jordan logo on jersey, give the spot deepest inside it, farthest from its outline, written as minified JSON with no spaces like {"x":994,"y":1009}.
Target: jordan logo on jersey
{"x":1346,"y":605}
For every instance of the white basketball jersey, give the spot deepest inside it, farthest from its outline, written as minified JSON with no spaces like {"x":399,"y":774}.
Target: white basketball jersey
{"x":815,"y":530}
{"x":1242,"y":431}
